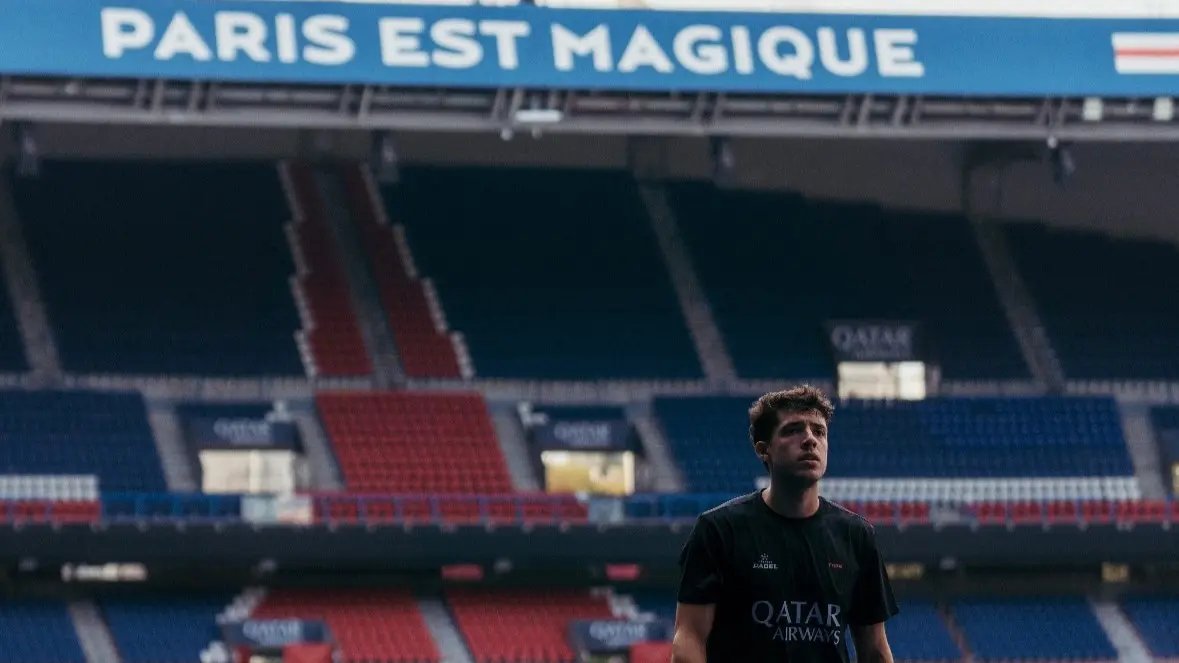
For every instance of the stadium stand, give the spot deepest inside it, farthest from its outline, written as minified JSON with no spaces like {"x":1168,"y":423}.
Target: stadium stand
{"x":1166,"y":428}
{"x":12,"y":351}
{"x":522,"y":626}
{"x":331,"y":330}
{"x":920,"y":633}
{"x":407,"y":443}
{"x":854,"y":263}
{"x":1127,"y":336}
{"x":164,"y":268}
{"x":37,"y":630}
{"x":163,"y":629}
{"x":80,"y":433}
{"x":370,"y":626}
{"x":935,"y":438}
{"x":426,"y":348}
{"x":588,"y":298}
{"x":1157,"y":621}
{"x":1033,"y":629}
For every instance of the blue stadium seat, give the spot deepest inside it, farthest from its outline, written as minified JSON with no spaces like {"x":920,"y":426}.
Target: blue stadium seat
{"x":1157,"y":620}
{"x":164,"y":268}
{"x":1099,"y":300}
{"x":777,"y":267}
{"x":549,"y":274}
{"x":1030,"y":629}
{"x":78,"y":432}
{"x":937,"y":438}
{"x":36,"y":630}
{"x":173,"y":629}
{"x":12,"y":350}
{"x":919,"y":633}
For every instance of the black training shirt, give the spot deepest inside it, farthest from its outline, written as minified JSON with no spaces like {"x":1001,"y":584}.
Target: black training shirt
{"x":785,"y":589}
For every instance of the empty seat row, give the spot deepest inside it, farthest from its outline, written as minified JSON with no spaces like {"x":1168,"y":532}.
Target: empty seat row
{"x":368,"y":626}
{"x":163,"y":628}
{"x":163,"y":267}
{"x":1031,"y":438}
{"x":522,"y":626}
{"x":382,"y":451}
{"x":584,"y":298}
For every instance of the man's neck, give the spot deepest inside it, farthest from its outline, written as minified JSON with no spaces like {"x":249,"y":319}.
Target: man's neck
{"x":792,"y":501}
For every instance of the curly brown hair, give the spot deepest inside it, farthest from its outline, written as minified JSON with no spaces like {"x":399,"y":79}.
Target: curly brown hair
{"x":763,"y":414}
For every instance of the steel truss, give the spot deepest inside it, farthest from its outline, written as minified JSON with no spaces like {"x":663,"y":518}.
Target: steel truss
{"x":205,"y":103}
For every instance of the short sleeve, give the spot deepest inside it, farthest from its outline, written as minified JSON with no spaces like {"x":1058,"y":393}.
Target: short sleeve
{"x":873,"y":601}
{"x":701,"y":576}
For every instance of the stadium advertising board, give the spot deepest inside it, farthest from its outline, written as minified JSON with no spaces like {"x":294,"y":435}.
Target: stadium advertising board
{"x":615,"y":636}
{"x":874,"y":340}
{"x":237,"y":427}
{"x":242,"y":433}
{"x":603,"y":435}
{"x":477,"y":46}
{"x":274,"y":633}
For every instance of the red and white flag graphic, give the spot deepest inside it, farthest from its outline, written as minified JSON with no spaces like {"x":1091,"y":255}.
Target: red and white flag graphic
{"x":1146,"y":52}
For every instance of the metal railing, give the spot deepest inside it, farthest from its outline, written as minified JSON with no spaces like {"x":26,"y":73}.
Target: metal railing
{"x":541,"y":509}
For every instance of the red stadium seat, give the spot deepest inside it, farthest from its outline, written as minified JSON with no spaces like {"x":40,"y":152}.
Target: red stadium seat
{"x":399,"y":443}
{"x":992,"y":513}
{"x":914,"y":513}
{"x":522,"y":626}
{"x":370,"y":626}
{"x":1063,"y":512}
{"x":1027,"y":513}
{"x":1097,"y":512}
{"x":426,"y":350}
{"x":334,"y":338}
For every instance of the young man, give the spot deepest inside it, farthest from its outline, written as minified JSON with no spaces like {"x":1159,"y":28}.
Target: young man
{"x":781,"y":574}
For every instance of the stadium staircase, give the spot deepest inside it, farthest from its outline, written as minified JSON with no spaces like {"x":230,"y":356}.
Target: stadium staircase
{"x":1018,"y":304}
{"x":331,"y":342}
{"x":1143,"y":448}
{"x":706,"y":336}
{"x":514,"y":447}
{"x":174,"y":457}
{"x":95,"y":639}
{"x":666,"y":473}
{"x":444,"y":631}
{"x":1123,"y":635}
{"x":325,"y":472}
{"x":24,"y":293}
{"x":427,"y":347}
{"x":1154,"y":619}
{"x":387,"y":363}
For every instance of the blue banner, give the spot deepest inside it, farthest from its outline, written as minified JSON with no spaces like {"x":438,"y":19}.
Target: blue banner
{"x":614,"y":636}
{"x":609,"y":435}
{"x":313,"y":42}
{"x":274,"y":633}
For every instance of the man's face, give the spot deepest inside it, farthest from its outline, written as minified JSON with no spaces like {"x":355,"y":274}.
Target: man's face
{"x":797,"y":450}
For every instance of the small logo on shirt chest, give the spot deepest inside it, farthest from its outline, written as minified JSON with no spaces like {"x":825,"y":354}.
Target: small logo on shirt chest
{"x":838,"y":566}
{"x":764,"y":563}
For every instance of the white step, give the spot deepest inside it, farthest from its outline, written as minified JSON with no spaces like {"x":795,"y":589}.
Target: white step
{"x":446,"y":635}
{"x":706,"y":336}
{"x":97,"y":643}
{"x":177,"y":463}
{"x":510,"y":434}
{"x":1121,"y":633}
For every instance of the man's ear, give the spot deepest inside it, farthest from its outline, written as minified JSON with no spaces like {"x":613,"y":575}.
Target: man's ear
{"x":762,"y":449}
